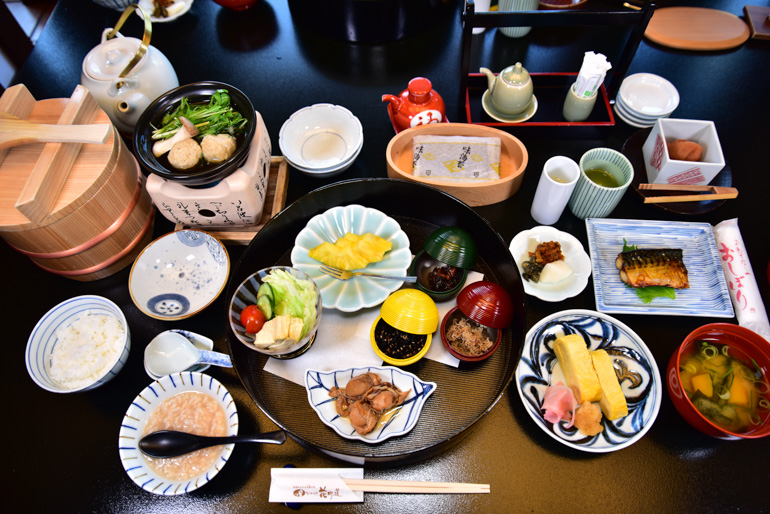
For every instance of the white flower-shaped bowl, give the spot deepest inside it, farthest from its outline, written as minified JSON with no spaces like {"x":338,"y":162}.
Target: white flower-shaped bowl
{"x":318,"y":384}
{"x":179,"y":274}
{"x":135,"y":419}
{"x":43,"y":338}
{"x":574,"y":255}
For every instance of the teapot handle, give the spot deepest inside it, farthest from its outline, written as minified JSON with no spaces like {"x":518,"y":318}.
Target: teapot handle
{"x":145,"y":38}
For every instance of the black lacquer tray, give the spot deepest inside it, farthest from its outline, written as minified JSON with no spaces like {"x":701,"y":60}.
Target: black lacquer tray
{"x":463,"y":396}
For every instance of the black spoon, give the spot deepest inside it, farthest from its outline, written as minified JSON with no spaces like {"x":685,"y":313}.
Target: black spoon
{"x":168,"y":443}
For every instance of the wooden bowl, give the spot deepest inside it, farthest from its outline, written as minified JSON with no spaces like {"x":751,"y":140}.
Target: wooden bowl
{"x":513,"y":162}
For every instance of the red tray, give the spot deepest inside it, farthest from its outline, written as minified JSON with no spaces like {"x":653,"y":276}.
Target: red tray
{"x":550,"y":90}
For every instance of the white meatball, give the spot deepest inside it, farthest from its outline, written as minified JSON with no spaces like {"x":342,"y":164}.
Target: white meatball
{"x":217,"y":148}
{"x":184,"y":154}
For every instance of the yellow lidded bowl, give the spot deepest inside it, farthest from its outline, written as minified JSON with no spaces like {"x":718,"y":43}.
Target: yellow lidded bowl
{"x":409,"y":318}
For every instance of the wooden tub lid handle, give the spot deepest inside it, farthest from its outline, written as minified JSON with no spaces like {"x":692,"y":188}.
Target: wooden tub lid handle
{"x":50,"y":173}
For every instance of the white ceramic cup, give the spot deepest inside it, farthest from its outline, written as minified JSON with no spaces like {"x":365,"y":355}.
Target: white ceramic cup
{"x":558,"y":179}
{"x":517,"y":5}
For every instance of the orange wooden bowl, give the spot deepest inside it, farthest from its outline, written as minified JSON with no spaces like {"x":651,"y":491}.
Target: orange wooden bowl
{"x":513,"y":162}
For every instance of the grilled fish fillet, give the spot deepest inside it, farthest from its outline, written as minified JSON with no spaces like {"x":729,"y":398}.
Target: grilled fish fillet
{"x":653,"y":267}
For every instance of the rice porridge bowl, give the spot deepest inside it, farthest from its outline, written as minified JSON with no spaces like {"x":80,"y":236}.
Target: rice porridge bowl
{"x":86,"y":349}
{"x":195,"y":413}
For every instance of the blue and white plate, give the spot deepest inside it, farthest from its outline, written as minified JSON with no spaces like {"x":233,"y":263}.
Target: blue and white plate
{"x":179,"y":274}
{"x":538,"y":368}
{"x":132,"y":430}
{"x":358,"y":292}
{"x":707,"y":295}
{"x":402,"y":421}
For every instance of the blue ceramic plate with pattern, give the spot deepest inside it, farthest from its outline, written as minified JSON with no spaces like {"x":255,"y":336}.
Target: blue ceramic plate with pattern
{"x":358,"y":292}
{"x":639,"y":377}
{"x":179,"y":274}
{"x":135,"y":420}
{"x":396,"y":422}
{"x":707,"y":295}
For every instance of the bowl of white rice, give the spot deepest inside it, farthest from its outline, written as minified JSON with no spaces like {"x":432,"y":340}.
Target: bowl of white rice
{"x":78,"y":345}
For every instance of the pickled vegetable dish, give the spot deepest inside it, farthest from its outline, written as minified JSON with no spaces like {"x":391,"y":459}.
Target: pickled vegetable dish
{"x":726,"y":386}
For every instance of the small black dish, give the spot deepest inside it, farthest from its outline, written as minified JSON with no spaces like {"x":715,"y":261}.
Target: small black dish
{"x":196,"y":93}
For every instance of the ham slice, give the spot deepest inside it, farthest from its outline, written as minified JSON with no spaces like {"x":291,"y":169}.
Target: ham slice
{"x":559,"y":403}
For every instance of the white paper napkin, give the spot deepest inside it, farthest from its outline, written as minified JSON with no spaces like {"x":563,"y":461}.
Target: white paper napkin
{"x":314,"y":485}
{"x":342,"y":341}
{"x":744,"y":291}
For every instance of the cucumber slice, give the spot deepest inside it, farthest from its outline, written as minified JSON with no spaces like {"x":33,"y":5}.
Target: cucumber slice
{"x":266,"y":290}
{"x":265,"y":304}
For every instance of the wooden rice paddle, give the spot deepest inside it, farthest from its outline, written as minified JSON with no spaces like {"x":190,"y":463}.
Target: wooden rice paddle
{"x":16,"y":131}
{"x":63,"y":143}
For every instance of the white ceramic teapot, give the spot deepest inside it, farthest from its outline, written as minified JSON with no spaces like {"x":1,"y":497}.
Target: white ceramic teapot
{"x":125,"y":75}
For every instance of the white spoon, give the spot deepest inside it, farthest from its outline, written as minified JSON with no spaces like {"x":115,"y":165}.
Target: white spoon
{"x":170,"y":352}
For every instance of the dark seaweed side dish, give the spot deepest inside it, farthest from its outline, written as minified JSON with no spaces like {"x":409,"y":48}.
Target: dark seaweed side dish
{"x":396,"y":343}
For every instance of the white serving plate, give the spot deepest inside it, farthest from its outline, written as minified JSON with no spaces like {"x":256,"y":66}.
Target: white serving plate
{"x":649,"y":94}
{"x":574,"y":255}
{"x":538,"y":368}
{"x":318,"y":384}
{"x":358,"y":292}
{"x":707,"y":295}
{"x":132,"y":430}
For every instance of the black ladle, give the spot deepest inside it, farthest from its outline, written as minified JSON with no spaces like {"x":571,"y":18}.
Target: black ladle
{"x":169,"y":443}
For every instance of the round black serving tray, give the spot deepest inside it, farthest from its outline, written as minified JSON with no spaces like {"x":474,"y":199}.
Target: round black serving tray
{"x":464,"y":394}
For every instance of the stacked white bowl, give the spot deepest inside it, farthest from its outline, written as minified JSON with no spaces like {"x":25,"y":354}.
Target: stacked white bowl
{"x":644,"y":98}
{"x":321,"y":140}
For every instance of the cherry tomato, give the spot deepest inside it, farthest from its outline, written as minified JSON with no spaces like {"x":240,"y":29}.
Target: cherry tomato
{"x":252,"y":319}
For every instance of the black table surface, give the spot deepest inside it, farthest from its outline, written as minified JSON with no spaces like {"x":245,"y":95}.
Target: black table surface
{"x":63,"y":448}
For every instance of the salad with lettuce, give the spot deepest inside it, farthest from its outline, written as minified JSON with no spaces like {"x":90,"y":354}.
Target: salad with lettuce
{"x":289,"y":306}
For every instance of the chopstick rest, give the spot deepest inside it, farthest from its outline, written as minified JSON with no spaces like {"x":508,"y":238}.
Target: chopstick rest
{"x":711,"y":193}
{"x":347,"y":485}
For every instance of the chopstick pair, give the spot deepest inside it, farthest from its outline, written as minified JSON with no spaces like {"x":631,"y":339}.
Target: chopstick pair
{"x":407,"y":486}
{"x":712,"y":193}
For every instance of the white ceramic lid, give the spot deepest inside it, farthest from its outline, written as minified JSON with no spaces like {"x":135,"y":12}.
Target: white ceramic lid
{"x":107,"y":60}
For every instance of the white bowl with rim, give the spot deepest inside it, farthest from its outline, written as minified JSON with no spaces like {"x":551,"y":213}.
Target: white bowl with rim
{"x":179,"y":274}
{"x":132,"y":429}
{"x":648,"y":94}
{"x":321,"y":136}
{"x":327,"y":172}
{"x":105,"y":362}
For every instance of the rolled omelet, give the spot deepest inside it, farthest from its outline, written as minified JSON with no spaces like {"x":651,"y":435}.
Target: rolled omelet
{"x":612,"y":401}
{"x":575,"y":361}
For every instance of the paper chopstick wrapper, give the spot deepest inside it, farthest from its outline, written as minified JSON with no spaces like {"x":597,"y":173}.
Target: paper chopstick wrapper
{"x":456,"y":158}
{"x":741,"y":282}
{"x":591,"y":75}
{"x":314,"y":485}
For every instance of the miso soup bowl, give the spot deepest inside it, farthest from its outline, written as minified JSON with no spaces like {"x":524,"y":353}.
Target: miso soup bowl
{"x":735,"y":336}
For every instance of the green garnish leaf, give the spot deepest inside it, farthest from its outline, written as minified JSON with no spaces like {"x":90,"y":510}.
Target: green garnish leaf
{"x":627,"y":247}
{"x":647,"y":294}
{"x":216,"y":117}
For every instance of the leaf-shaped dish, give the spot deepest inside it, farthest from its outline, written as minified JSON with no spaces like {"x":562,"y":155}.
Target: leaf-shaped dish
{"x":402,"y":421}
{"x":641,"y":381}
{"x":358,"y":292}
